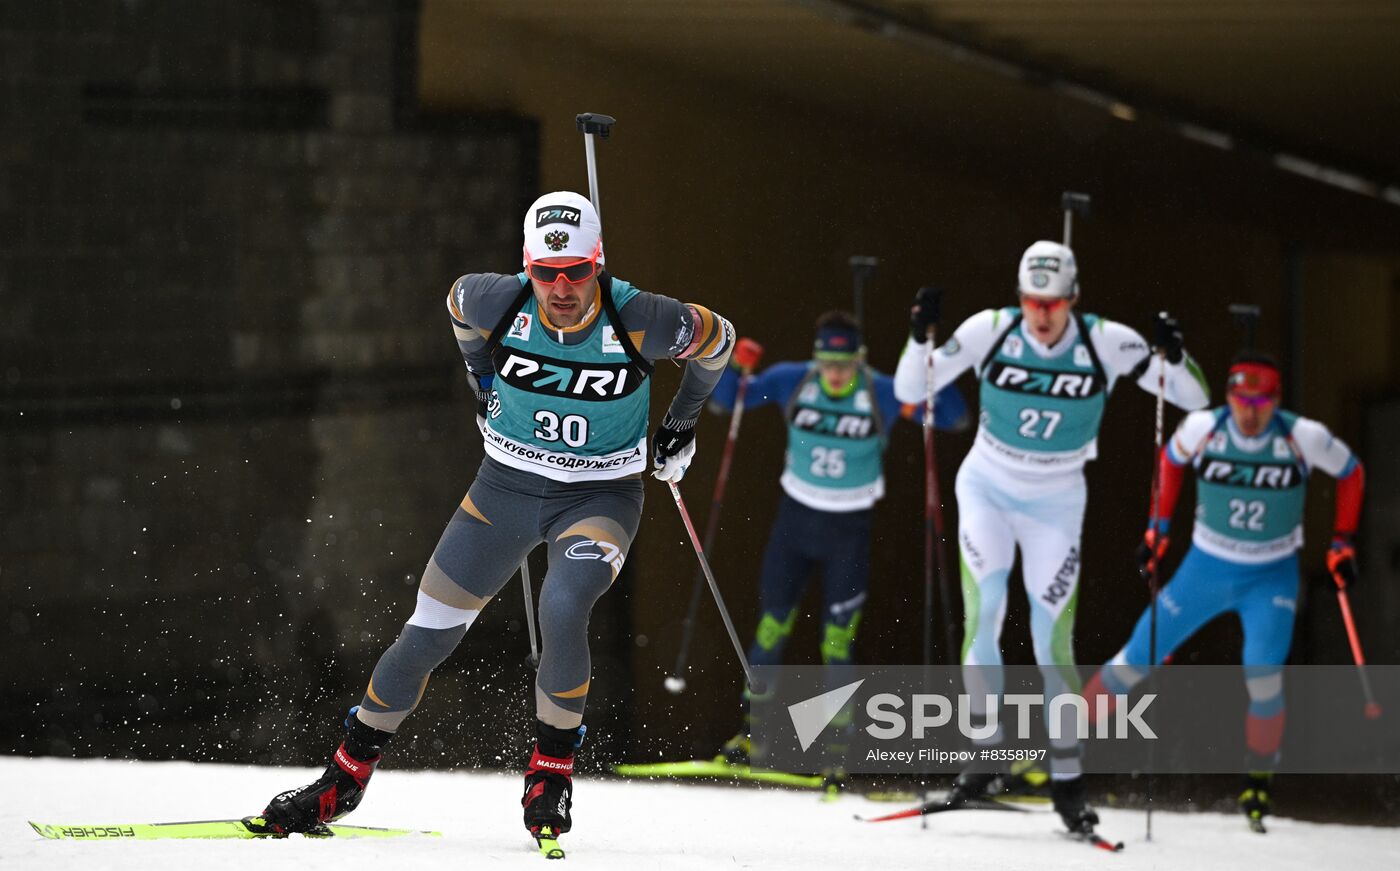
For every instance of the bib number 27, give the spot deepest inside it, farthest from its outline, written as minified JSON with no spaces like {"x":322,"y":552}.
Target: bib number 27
{"x":1039,"y":423}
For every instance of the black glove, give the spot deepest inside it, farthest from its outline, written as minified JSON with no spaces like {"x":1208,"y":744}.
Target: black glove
{"x":671,"y":448}
{"x":483,"y":386}
{"x":928,"y":305}
{"x":1166,"y":336}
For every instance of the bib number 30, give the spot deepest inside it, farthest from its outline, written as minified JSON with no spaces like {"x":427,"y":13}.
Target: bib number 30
{"x":572,"y":429}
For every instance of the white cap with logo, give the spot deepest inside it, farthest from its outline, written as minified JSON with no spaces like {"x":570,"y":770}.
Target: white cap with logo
{"x":562,"y":224}
{"x":1048,"y":269}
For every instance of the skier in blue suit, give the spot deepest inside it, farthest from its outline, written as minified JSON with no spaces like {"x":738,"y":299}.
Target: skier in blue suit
{"x":839,"y":412}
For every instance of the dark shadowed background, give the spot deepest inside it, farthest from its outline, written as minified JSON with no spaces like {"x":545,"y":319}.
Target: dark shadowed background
{"x":235,"y":419}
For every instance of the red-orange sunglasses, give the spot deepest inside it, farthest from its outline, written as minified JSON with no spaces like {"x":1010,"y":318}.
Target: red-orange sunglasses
{"x":1253,"y":400}
{"x":1046,"y":305}
{"x":574,"y":272}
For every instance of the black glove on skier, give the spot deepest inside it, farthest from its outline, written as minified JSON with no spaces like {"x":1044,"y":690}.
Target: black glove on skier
{"x":671,"y":448}
{"x":1166,"y":333}
{"x":483,"y":386}
{"x":928,"y":305}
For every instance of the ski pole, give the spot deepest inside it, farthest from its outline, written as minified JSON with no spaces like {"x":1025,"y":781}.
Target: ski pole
{"x":1152,"y":580}
{"x":1072,"y":202}
{"x":529,"y":588}
{"x":933,"y":535}
{"x":1246,"y":317}
{"x":934,"y":552}
{"x":754,"y":686}
{"x":930,"y":499}
{"x":862,"y":270}
{"x":675,"y":681}
{"x":1373,"y":708}
{"x":592,"y":124}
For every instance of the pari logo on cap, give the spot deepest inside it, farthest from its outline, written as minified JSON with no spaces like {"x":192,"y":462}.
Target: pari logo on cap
{"x":1048,"y":269}
{"x":562,"y":224}
{"x":557,"y":215}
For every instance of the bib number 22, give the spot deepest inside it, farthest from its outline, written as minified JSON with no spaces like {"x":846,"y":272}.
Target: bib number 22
{"x":1247,"y":515}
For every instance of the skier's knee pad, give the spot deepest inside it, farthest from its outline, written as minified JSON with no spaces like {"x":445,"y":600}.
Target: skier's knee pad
{"x":431,"y":613}
{"x":772,"y":632}
{"x":1265,"y":687}
{"x":837,"y":640}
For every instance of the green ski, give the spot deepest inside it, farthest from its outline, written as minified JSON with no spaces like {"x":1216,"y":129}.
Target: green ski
{"x":719,"y":769}
{"x":548,"y":841}
{"x":248,"y":827}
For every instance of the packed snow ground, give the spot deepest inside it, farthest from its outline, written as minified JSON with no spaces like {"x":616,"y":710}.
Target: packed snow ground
{"x":619,"y":825}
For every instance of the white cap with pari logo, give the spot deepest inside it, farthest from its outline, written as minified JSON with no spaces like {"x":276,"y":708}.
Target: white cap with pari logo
{"x":1048,"y":269}
{"x":562,"y":224}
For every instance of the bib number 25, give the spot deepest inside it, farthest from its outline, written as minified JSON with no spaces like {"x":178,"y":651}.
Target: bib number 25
{"x":828,"y":462}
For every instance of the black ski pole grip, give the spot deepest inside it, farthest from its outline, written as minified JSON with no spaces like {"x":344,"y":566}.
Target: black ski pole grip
{"x":593,"y":122}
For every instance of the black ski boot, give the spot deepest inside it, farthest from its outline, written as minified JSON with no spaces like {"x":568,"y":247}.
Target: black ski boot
{"x":1027,"y":777}
{"x":337,"y":792}
{"x":549,"y":781}
{"x":737,"y":750}
{"x":1255,"y":802}
{"x":740,"y":750}
{"x":1068,"y":796}
{"x":974,"y":785}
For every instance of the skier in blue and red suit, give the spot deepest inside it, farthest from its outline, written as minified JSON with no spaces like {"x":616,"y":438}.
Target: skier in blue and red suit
{"x":1252,"y":461}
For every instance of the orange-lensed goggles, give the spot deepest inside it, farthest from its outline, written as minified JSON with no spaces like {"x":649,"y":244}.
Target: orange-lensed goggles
{"x":574,"y":272}
{"x":1045,"y":304}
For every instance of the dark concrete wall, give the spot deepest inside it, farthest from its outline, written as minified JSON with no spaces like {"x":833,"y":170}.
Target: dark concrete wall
{"x":235,"y":417}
